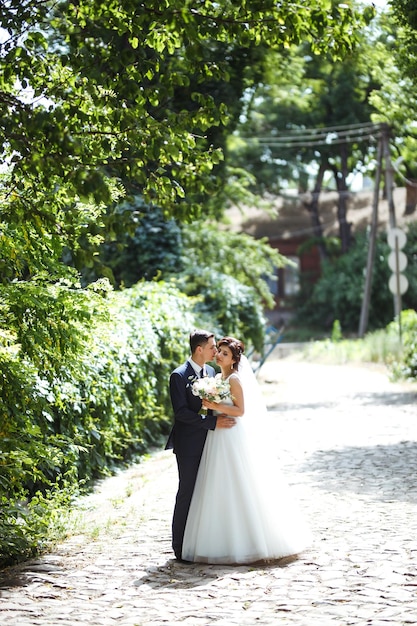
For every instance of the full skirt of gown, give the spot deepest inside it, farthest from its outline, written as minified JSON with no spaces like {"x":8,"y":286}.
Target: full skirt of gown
{"x":242,"y":510}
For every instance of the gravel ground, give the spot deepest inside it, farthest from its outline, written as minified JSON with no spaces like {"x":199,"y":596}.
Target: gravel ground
{"x":346,"y":441}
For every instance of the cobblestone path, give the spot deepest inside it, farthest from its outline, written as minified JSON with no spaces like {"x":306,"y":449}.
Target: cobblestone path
{"x":347,"y":442}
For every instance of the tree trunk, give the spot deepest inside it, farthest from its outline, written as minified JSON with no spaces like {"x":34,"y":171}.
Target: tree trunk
{"x":411,"y":197}
{"x":313,"y":208}
{"x":345,"y":227}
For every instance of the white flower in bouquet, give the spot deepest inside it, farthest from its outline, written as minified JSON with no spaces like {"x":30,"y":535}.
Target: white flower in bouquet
{"x":212,"y":388}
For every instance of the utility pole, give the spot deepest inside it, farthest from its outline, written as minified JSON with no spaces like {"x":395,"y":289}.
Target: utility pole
{"x":389,"y":176}
{"x":383,"y":156}
{"x":389,"y":183}
{"x":363,"y":324}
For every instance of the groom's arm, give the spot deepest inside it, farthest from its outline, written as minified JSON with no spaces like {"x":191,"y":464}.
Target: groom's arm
{"x":180,"y":404}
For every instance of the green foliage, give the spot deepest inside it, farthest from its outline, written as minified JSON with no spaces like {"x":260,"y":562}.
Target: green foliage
{"x":29,"y":526}
{"x":79,"y":392}
{"x":84,"y":385}
{"x":379,"y":346}
{"x":225,"y":305}
{"x":394,"y":103}
{"x":409,"y":299}
{"x":93,"y":91}
{"x":97,"y":99}
{"x":228,"y":271}
{"x":338,"y":293}
{"x":205,"y":261}
{"x":299,"y":91}
{"x":405,"y":367}
{"x":149,"y":248}
{"x":404,"y":12}
{"x":249,"y":261}
{"x":336,"y":331}
{"x":41,"y":227}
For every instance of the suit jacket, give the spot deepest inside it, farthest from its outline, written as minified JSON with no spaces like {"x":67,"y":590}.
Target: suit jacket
{"x":189,"y":432}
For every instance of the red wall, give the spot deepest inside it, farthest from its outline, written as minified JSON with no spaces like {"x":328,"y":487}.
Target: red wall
{"x":309,"y":261}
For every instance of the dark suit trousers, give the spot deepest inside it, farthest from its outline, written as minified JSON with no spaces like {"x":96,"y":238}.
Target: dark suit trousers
{"x":187,"y":473}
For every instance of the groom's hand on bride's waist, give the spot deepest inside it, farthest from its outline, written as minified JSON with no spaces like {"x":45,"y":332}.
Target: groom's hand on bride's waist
{"x":225,"y":421}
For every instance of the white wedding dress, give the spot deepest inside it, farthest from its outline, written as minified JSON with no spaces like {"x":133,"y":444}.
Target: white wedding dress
{"x":241,"y":510}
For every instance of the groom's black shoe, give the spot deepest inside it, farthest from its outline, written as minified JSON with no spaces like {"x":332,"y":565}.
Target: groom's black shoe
{"x":178,"y":557}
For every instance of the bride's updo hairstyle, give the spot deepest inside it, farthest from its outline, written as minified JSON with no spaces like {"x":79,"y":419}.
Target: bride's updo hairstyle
{"x":235,"y":346}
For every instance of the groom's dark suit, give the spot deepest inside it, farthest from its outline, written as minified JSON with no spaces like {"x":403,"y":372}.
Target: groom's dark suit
{"x":187,"y":439}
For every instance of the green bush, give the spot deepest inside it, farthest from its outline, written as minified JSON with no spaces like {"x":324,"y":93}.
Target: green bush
{"x":147,"y":244}
{"x":83,"y":386}
{"x":225,"y":305}
{"x":405,"y":367}
{"x":338,"y":293}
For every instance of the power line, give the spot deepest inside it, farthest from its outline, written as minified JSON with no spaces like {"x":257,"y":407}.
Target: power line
{"x":336,"y":127}
{"x":328,"y":129}
{"x":330,"y":135}
{"x":325,"y":141}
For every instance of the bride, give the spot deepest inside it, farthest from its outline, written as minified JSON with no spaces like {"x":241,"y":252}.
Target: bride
{"x":241,"y":511}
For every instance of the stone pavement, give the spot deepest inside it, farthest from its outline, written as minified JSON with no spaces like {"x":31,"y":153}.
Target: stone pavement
{"x":347,"y":443}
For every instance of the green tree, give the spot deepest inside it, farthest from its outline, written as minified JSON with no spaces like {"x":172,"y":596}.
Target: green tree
{"x":204,"y":258}
{"x":395,"y":103}
{"x":302,"y":91}
{"x":405,"y":15}
{"x":99,"y":101}
{"x":249,"y":261}
{"x":338,"y":293}
{"x":145,"y":245}
{"x":92,"y":94}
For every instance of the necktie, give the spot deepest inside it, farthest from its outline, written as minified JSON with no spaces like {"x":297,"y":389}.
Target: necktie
{"x":202,"y":372}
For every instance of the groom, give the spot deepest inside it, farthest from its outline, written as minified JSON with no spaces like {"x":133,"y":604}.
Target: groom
{"x":189,"y":432}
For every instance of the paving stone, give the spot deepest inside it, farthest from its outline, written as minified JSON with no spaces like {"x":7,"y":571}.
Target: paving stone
{"x":346,"y":439}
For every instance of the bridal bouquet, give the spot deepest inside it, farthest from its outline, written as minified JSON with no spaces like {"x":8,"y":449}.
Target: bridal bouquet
{"x":212,"y":388}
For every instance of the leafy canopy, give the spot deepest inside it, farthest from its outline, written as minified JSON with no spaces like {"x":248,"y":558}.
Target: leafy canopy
{"x":99,"y":97}
{"x":90,"y":88}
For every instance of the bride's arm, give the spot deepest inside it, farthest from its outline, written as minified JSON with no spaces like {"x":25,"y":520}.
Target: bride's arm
{"x":233,"y":410}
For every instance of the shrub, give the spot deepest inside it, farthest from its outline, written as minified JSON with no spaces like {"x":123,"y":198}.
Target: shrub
{"x":83,"y":386}
{"x":338,"y":293}
{"x":225,"y":305}
{"x":405,"y":367}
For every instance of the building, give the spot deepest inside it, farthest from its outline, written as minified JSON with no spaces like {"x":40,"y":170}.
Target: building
{"x":286,"y":223}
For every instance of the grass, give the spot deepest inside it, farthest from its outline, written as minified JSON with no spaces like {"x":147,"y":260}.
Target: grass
{"x":380,"y":346}
{"x":376,"y":347}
